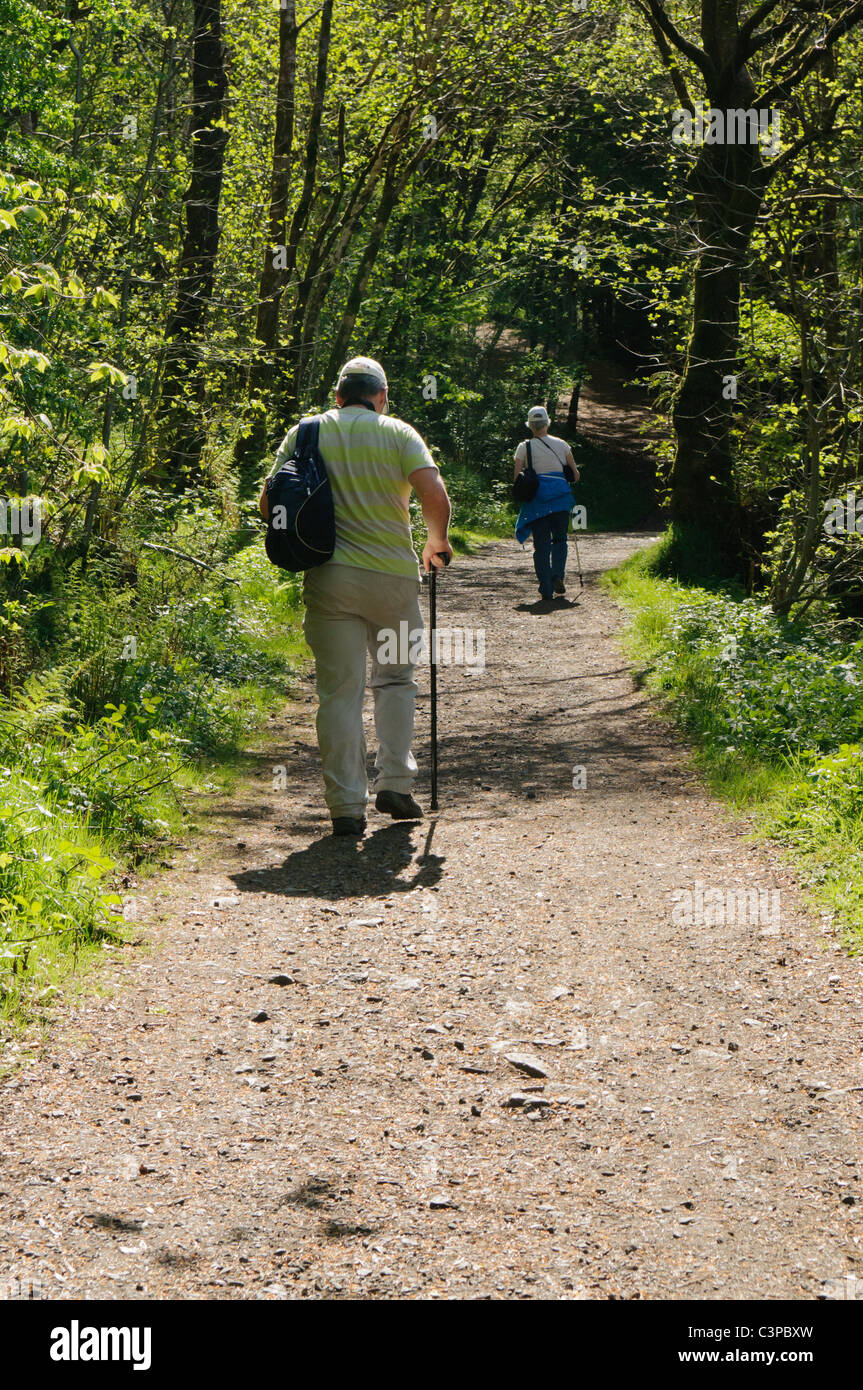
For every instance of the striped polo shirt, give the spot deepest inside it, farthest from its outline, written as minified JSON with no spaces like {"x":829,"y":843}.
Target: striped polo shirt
{"x":369,"y":458}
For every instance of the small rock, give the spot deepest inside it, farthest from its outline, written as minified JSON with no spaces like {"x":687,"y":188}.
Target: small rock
{"x":365,"y":921}
{"x":281,"y":980}
{"x":260,"y":1017}
{"x":225,"y":902}
{"x":437,"y":1203}
{"x":523,"y":1061}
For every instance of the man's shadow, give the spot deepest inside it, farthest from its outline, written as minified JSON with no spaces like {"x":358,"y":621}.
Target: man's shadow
{"x":341,"y":868}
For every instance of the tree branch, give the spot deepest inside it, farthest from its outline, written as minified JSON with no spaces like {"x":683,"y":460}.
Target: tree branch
{"x":843,"y":25}
{"x":656,"y":13}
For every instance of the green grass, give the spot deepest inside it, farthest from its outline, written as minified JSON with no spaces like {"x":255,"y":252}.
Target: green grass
{"x":774,"y":714}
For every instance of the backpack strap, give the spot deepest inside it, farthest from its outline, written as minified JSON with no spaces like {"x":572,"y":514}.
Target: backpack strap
{"x":307,"y":435}
{"x":529,"y":460}
{"x":551,"y":451}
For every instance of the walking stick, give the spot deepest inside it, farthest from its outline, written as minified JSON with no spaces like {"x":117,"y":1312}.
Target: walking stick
{"x":433,"y":624}
{"x":577,"y":557}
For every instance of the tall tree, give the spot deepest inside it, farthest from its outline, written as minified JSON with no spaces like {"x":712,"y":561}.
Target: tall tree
{"x":786,"y":40}
{"x":274,"y":270}
{"x":182,"y":384}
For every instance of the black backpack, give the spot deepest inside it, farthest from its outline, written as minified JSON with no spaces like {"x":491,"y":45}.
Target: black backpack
{"x":525,"y":487}
{"x":301,"y":524}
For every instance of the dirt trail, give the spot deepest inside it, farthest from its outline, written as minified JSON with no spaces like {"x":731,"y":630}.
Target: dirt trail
{"x":614,"y":411}
{"x":698,"y":1130}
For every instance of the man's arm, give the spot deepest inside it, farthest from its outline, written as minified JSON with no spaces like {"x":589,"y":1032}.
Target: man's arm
{"x":519,"y":458}
{"x":434,"y":499}
{"x":571,"y":461}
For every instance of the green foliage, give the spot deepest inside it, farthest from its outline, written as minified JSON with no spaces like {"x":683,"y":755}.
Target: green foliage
{"x":757,"y":683}
{"x":99,"y":746}
{"x":479,"y":504}
{"x":55,"y":893}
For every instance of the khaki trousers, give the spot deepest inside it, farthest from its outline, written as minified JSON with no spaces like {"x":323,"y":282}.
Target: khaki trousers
{"x":346,"y":609}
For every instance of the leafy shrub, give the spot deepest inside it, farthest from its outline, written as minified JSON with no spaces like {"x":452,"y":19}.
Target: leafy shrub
{"x":114,"y":775}
{"x":757,"y":682}
{"x":54,"y":886}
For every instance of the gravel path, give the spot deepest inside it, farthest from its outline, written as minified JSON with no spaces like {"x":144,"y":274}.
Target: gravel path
{"x":301,"y":1088}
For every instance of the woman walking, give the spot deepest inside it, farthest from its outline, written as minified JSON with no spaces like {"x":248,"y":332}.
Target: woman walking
{"x":546,"y":515}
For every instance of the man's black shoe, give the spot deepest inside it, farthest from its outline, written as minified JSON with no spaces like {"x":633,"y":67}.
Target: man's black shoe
{"x":400,"y":805}
{"x":559,"y":586}
{"x":352,"y":826}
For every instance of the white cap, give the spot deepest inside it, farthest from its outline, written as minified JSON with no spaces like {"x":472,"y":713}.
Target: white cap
{"x":536,"y":417}
{"x":363,"y":371}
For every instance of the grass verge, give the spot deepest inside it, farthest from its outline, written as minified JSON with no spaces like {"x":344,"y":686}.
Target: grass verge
{"x":775,"y":713}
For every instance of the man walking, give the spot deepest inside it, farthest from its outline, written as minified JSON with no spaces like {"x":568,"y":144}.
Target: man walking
{"x":369,"y":588}
{"x":546,"y":517}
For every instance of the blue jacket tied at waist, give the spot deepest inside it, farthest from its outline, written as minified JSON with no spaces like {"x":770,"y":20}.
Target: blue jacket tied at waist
{"x":553,"y":495}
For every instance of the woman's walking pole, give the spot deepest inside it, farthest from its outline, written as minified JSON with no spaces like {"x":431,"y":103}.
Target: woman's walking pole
{"x":577,"y":556}
{"x":433,"y":639}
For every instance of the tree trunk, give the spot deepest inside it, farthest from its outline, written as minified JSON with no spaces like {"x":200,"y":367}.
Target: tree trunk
{"x":727,"y":184}
{"x":273,"y":279}
{"x":701,"y":478}
{"x":182,"y":387}
{"x":92,"y":511}
{"x":252,"y":441}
